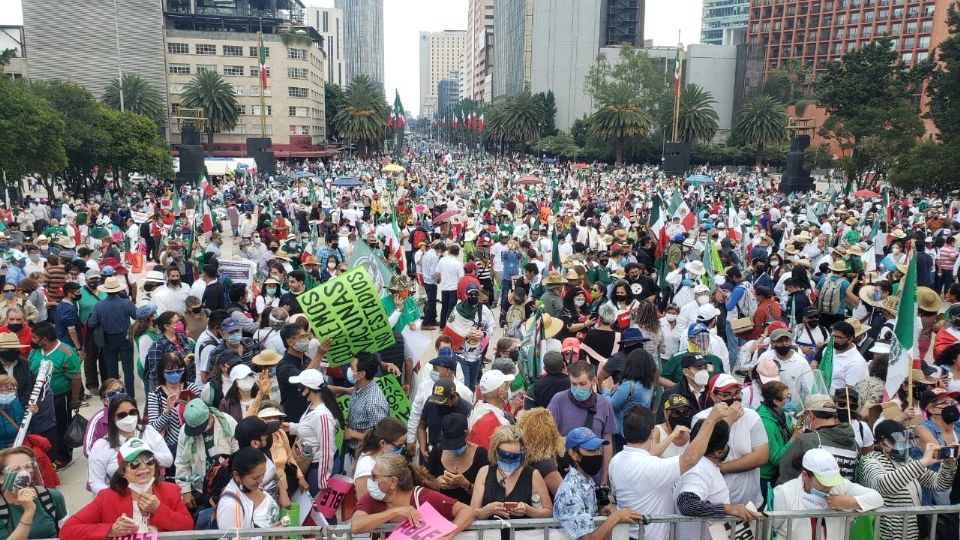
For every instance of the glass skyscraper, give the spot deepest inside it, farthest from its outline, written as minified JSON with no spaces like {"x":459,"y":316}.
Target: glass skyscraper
{"x":720,"y":15}
{"x":362,"y":39}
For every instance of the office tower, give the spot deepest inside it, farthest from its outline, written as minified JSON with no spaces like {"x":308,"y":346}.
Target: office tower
{"x":478,"y":51}
{"x":724,"y":22}
{"x":362,"y":39}
{"x":440,"y":54}
{"x":624,"y":23}
{"x":329,"y":22}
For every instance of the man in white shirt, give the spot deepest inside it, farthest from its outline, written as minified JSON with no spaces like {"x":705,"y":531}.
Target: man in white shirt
{"x":173,"y":295}
{"x":496,"y":250}
{"x":446,"y":367}
{"x":643,"y":482}
{"x":849,"y":366}
{"x":795,"y":372}
{"x":448,"y":273}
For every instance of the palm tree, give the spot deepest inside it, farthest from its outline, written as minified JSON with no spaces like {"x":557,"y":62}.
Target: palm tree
{"x":209,"y":91}
{"x":697,"y":119}
{"x":762,"y":122}
{"x":619,"y":116}
{"x":362,"y":118}
{"x":139,"y":96}
{"x":522,"y":116}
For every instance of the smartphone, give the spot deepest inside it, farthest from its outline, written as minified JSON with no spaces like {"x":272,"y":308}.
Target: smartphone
{"x":187,"y":395}
{"x":510,"y":506}
{"x":947,"y":452}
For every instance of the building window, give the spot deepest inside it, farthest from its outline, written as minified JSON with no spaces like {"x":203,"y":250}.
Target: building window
{"x":926,"y":26}
{"x":178,"y":48}
{"x":297,"y":92}
{"x":854,"y":18}
{"x":898,"y":13}
{"x":206,"y":48}
{"x":928,"y":10}
{"x":297,"y":54}
{"x":883,"y":14}
{"x":233,"y":71}
{"x":924,"y":42}
{"x":206,"y":67}
{"x":298,"y":111}
{"x":179,"y":69}
{"x":868,"y":16}
{"x":921,"y":56}
{"x":232,"y":50}
{"x":241,"y":109}
{"x":907,"y":58}
{"x":255,"y":71}
{"x":895,"y":29}
{"x":911,"y":28}
{"x":908,"y":43}
{"x":297,"y":73}
{"x":913,"y":11}
{"x":174,"y":109}
{"x":255,"y":110}
{"x":256,"y":54}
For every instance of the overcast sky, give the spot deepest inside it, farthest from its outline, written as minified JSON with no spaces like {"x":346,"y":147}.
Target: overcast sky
{"x":404,"y":19}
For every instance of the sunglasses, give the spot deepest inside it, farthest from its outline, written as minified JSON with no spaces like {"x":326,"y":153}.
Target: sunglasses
{"x":115,"y":394}
{"x":9,"y":290}
{"x":148,"y":461}
{"x":132,"y":412}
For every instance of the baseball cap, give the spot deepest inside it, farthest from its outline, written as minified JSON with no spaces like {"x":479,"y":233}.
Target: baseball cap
{"x":823,"y":466}
{"x":820,"y":403}
{"x":311,"y":378}
{"x":492,"y":380}
{"x":444,"y":361}
{"x":571,"y":344}
{"x":779,"y":334}
{"x":675,"y":401}
{"x":453,"y":432}
{"x":146,"y":311}
{"x":723,"y":381}
{"x":252,"y":428}
{"x":240,"y":371}
{"x":692,"y":360}
{"x":443,"y":391}
{"x":632,"y":335}
{"x":553,"y":362}
{"x":768,"y":370}
{"x":706,"y":312}
{"x":584,"y":437}
{"x":132,"y":448}
{"x":927,"y":397}
{"x":230,"y":325}
{"x":472,"y":288}
{"x":697,"y":328}
{"x":195,"y":416}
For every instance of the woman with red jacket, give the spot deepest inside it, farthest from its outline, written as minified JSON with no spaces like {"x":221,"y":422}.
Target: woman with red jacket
{"x":137,"y":501}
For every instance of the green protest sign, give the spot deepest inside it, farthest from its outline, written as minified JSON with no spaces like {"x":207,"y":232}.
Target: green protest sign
{"x":347,"y":310}
{"x":392,"y":389}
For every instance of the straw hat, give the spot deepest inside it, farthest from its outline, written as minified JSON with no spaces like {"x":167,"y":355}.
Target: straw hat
{"x":890,"y":304}
{"x":9,"y":341}
{"x":551,"y":326}
{"x":838,"y":265}
{"x":572,"y":275}
{"x":621,"y":234}
{"x":155,"y":276}
{"x":311,"y":261}
{"x":112,"y":285}
{"x":42,"y":238}
{"x":858,"y":328}
{"x":851,"y":221}
{"x":400,"y":282}
{"x":866,"y":295}
{"x":554,"y":278}
{"x":899,"y":234}
{"x":855,"y":250}
{"x":282,"y":255}
{"x":929,"y":300}
{"x":620,"y":273}
{"x":267,"y":358}
{"x":66,"y":242}
{"x":790,"y":250}
{"x":696,"y":268}
{"x":469,"y":236}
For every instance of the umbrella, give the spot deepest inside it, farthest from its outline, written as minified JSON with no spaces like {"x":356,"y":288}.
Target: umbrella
{"x":583,"y":166}
{"x":444,"y":216}
{"x":700,"y":179}
{"x":347,"y":181}
{"x":529,"y":180}
{"x":302,"y":174}
{"x":393,"y":167}
{"x":549,"y":160}
{"x":866,"y":194}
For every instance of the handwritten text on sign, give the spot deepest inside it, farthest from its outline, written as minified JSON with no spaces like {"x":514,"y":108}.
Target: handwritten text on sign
{"x":330,"y":499}
{"x":347,"y":310}
{"x":432,"y":526}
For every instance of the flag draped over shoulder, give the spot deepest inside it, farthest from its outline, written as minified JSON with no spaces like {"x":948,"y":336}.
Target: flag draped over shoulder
{"x":902,"y":346}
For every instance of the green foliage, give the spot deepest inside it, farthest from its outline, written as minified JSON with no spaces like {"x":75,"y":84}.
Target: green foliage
{"x":548,"y":105}
{"x":333,"y":100}
{"x":744,"y":155}
{"x":761,"y":123}
{"x":516,"y":120}
{"x":138,"y":96}
{"x":296,"y":39}
{"x":818,"y":157}
{"x":635,"y":69}
{"x":209,"y":91}
{"x":559,"y":145}
{"x":619,"y":116}
{"x":134,"y":145}
{"x":6,"y":55}
{"x":926,"y":166}
{"x":31,"y":134}
{"x":362,"y":119}
{"x":697,"y":120}
{"x":944,"y":86}
{"x":790,"y":83}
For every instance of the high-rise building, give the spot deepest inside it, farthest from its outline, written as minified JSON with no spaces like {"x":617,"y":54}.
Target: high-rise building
{"x":329,"y":22}
{"x":448,"y":93}
{"x":440,"y":54}
{"x":548,"y":45}
{"x":478,"y":51}
{"x":224,"y":40}
{"x":89,"y":43}
{"x":816,"y":32}
{"x":363,"y":39}
{"x":624,"y":23}
{"x":724,"y":21}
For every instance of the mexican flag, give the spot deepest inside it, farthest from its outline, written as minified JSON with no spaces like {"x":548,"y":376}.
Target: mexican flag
{"x":262,"y":54}
{"x":555,"y":252}
{"x":398,"y":122}
{"x":851,"y":187}
{"x":394,"y":247}
{"x":676,"y":74}
{"x":209,"y":222}
{"x":480,"y":126}
{"x":733,"y":222}
{"x":887,"y":210}
{"x":902,"y":346}
{"x":205,"y":186}
{"x":658,"y":226}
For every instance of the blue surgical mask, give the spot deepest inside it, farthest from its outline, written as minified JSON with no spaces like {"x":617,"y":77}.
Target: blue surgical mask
{"x":350,"y":377}
{"x":877,"y":296}
{"x":817,"y":493}
{"x":9,"y":295}
{"x":234,"y":338}
{"x":434,"y":375}
{"x":6,"y":399}
{"x":459,"y":451}
{"x":444,"y":351}
{"x":172,"y":377}
{"x":398,"y":450}
{"x":580,"y":394}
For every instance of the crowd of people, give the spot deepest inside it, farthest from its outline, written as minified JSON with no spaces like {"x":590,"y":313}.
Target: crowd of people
{"x":573,"y":340}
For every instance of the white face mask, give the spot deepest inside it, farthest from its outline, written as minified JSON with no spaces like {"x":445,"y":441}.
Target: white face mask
{"x":127,"y":424}
{"x":702,"y":377}
{"x":671,"y":317}
{"x":373,"y":488}
{"x":140,"y":488}
{"x":703,"y":299}
{"x":246,"y":384}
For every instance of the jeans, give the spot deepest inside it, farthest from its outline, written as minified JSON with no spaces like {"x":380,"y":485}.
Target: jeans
{"x":430,"y":308}
{"x":117,"y":349}
{"x":448,"y":300}
{"x":733,"y":345}
{"x":471,"y":372}
{"x":943,"y":281}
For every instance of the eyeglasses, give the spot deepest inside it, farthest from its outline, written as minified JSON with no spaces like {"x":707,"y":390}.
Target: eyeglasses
{"x":148,"y":461}
{"x":9,"y":290}
{"x":730,"y":394}
{"x":132,"y":412}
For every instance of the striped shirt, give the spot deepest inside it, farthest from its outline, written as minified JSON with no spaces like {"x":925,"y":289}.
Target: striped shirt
{"x":900,"y":484}
{"x":166,"y":421}
{"x":315,"y":432}
{"x":56,"y":277}
{"x":948,"y":256}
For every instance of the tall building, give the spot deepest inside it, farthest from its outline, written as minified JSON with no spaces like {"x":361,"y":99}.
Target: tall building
{"x":724,"y":21}
{"x":363,"y":39}
{"x":816,"y":32}
{"x":448,"y":93}
{"x":329,"y":22}
{"x":548,"y":45}
{"x":90,"y":42}
{"x":11,"y":37}
{"x":224,"y":40}
{"x":624,"y":23}
{"x":440,"y":54}
{"x":478,"y":51}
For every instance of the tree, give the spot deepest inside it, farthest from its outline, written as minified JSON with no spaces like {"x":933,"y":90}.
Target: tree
{"x":789,"y":83}
{"x":333,"y":101}
{"x":761,"y":123}
{"x":6,"y":55}
{"x":134,"y":145}
{"x":926,"y":166}
{"x":645,"y":77}
{"x":363,"y":116}
{"x":559,"y":145}
{"x":548,"y":104}
{"x":697,"y":120}
{"x":31,"y":135}
{"x":619,"y":117}
{"x":944,"y":86}
{"x":517,"y":119}
{"x":209,"y":91}
{"x":139,"y":96}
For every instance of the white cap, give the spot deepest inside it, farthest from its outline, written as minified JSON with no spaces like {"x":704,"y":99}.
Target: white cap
{"x":880,"y":348}
{"x":823,"y":466}
{"x":700,"y":289}
{"x":311,"y":378}
{"x":240,"y":371}
{"x":706,"y":312}
{"x":490,"y":381}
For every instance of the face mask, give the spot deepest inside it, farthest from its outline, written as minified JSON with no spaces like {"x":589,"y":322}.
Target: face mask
{"x":350,"y":376}
{"x":302,"y":346}
{"x":731,"y":401}
{"x":172,"y":377}
{"x":579,"y":303}
{"x":9,"y":356}
{"x":10,"y":295}
{"x":877,"y":297}
{"x":580,"y":394}
{"x":234,"y":338}
{"x":950,"y":414}
{"x":817,"y":493}
{"x":702,"y":377}
{"x":514,"y":355}
{"x":783,"y":351}
{"x":508,"y":462}
{"x":444,"y":351}
{"x":6,"y":399}
{"x":196,"y":311}
{"x":271,"y":292}
{"x":459,"y":451}
{"x":331,"y":265}
{"x":14,"y":482}
{"x":141,"y":488}
{"x":178,"y":328}
{"x":774,"y":264}
{"x":473,"y":300}
{"x":900,"y":452}
{"x":93,"y":283}
{"x":842,"y":414}
{"x":671,"y":317}
{"x":702,"y":299}
{"x":173,"y":282}
{"x":373,"y":488}
{"x":681,"y":420}
{"x":246,"y":384}
{"x":434,"y":375}
{"x":591,"y":464}
{"x":127,"y":424}
{"x":15,"y":327}
{"x":722,"y":454}
{"x":397,"y":450}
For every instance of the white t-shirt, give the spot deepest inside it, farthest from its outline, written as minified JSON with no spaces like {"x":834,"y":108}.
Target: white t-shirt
{"x":705,"y":481}
{"x":849,"y":368}
{"x":644,"y":483}
{"x":794,"y":372}
{"x":363,"y":467}
{"x":450,"y":270}
{"x":746,"y":434}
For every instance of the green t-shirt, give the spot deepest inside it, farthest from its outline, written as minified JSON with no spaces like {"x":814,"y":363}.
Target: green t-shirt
{"x":65,"y":364}
{"x":44,"y":525}
{"x":86,"y":303}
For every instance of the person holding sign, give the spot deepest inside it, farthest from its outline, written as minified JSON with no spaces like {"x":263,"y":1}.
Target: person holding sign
{"x":395,"y":492}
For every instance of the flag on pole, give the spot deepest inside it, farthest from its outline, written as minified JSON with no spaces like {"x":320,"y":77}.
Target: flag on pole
{"x":676,"y":74}
{"x":262,"y":54}
{"x":733,"y":225}
{"x":851,"y":187}
{"x":481,"y":122}
{"x":394,"y":247}
{"x":176,"y":201}
{"x":887,"y":210}
{"x":902,"y":346}
{"x":205,"y":186}
{"x":658,"y":226}
{"x":555,"y":252}
{"x":826,"y":362}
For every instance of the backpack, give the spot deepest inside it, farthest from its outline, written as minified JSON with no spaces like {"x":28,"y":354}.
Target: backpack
{"x":830,"y":297}
{"x":217,"y":478}
{"x":46,"y":501}
{"x":747,"y":305}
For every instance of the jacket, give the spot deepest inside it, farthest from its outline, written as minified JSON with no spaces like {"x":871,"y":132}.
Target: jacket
{"x":93,"y":521}
{"x":191,"y":459}
{"x":787,"y":497}
{"x":777,"y":441}
{"x":838,"y":440}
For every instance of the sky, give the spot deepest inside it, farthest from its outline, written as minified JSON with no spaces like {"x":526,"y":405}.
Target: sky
{"x":405,"y":19}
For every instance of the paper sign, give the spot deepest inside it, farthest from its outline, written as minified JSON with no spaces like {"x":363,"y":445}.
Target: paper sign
{"x":330,"y":499}
{"x":415,"y":344}
{"x":742,"y":530}
{"x":347,"y":310}
{"x":139,"y":536}
{"x":239,"y":271}
{"x":432,"y":526}
{"x":398,"y":399}
{"x":139,"y":217}
{"x":302,"y":499}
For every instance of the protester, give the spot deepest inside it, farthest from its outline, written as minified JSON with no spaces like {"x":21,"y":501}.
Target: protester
{"x":33,"y":511}
{"x":381,"y":439}
{"x":316,"y":428}
{"x":508,"y":487}
{"x":123,"y":423}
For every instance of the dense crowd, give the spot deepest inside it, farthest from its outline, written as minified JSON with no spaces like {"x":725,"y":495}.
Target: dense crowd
{"x":573,"y":341}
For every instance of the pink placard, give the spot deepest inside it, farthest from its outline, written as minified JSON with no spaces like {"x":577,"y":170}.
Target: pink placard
{"x":329,"y":500}
{"x":432,"y":526}
{"x":139,"y":536}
